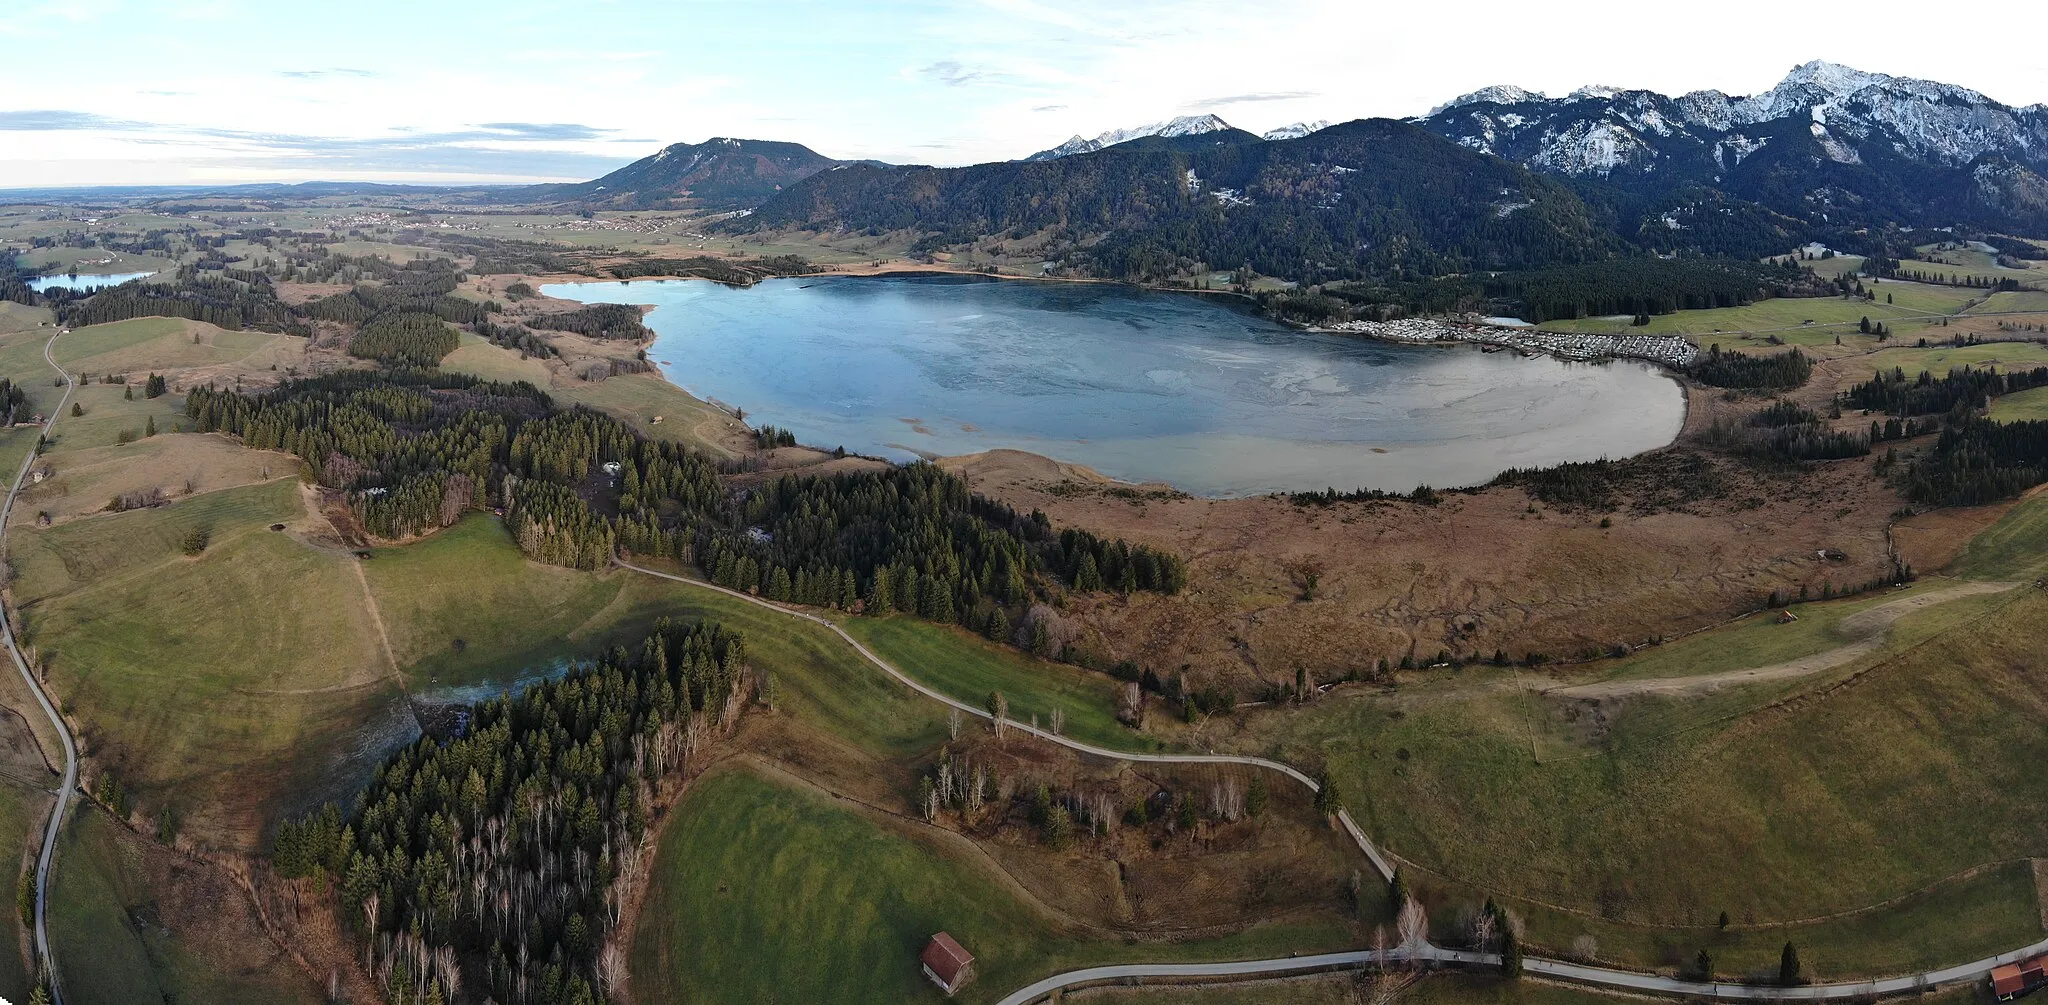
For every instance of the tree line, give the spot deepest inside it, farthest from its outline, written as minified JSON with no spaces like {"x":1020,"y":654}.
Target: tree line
{"x":1640,"y":286}
{"x":1782,"y":372}
{"x":495,"y":863}
{"x":598,"y":321}
{"x":718,"y":270}
{"x":415,"y":450}
{"x":193,"y":294}
{"x":1976,"y":461}
{"x":1893,"y":393}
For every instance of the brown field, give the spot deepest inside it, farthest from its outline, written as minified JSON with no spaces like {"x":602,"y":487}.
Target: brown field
{"x":180,"y":464}
{"x":1478,"y":572}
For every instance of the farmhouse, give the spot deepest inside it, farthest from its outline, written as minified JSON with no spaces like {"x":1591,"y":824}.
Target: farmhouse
{"x":2015,"y":979}
{"x":948,"y":965}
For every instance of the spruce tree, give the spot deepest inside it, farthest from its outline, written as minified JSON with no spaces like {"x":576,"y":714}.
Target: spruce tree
{"x":1328,"y":799}
{"x":1788,"y":966}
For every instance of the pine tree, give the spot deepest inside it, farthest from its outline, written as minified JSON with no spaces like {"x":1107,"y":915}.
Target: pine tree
{"x":1328,"y":799}
{"x":1510,"y":944}
{"x":1788,"y":966}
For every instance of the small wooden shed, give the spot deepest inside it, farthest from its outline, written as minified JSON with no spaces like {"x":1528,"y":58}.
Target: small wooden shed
{"x":946,"y":963}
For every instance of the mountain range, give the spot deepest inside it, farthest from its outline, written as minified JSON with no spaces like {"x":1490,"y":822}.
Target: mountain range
{"x":1829,"y":145}
{"x":1193,"y":131}
{"x":1831,"y":153}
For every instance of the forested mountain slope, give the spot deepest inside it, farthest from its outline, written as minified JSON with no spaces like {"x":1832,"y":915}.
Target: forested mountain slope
{"x":1367,"y":197}
{"x":719,"y":173}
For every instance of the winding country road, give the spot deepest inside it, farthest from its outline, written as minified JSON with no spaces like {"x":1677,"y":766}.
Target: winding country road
{"x":1259,"y":969}
{"x":1621,"y":979}
{"x":1365,"y":844}
{"x":46,"y":860}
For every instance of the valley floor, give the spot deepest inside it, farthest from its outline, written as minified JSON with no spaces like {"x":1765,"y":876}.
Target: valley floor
{"x":1861,"y":781}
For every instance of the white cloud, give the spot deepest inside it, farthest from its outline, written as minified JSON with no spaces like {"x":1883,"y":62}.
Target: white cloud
{"x":922,"y":80}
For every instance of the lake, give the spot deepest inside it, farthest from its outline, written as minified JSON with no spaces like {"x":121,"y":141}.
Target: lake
{"x":1195,"y":391}
{"x":42,"y":283}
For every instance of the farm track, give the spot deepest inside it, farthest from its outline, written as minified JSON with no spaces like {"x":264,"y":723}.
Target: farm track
{"x":1868,"y":631}
{"x":1423,"y":952}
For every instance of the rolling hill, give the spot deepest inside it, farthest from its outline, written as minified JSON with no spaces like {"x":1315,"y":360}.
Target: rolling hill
{"x":719,"y":173}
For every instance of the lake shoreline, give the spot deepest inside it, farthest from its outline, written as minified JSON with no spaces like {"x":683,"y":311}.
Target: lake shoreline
{"x":1282,"y":451}
{"x":1671,"y":352}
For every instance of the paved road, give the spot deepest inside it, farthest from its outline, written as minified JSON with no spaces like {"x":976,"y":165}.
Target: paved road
{"x":1248,"y":969}
{"x":63,"y":802}
{"x":1622,"y":979}
{"x":1257,"y":969}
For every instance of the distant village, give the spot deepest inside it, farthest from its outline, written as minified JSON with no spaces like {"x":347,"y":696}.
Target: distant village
{"x":1665,"y":350}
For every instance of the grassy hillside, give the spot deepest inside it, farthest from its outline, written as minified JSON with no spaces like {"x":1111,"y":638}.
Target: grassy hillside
{"x":2027,"y":405}
{"x":1796,"y":320}
{"x":21,"y":813}
{"x":215,"y":683}
{"x":967,"y":667}
{"x":1672,"y":810}
{"x":517,"y":617}
{"x":143,"y":344}
{"x":1967,"y":918}
{"x":2014,"y":548}
{"x":848,"y":901}
{"x":125,"y":935}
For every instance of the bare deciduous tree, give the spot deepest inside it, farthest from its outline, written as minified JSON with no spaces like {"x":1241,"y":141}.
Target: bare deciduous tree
{"x":1413,"y":926}
{"x":1482,"y":931}
{"x":611,"y":970}
{"x":1384,"y":982}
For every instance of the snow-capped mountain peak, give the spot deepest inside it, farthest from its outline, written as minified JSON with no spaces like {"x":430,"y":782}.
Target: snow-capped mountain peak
{"x":1182,"y":125}
{"x":1849,"y":113}
{"x":1296,"y":131}
{"x":1833,"y":78}
{"x":1499,"y":94}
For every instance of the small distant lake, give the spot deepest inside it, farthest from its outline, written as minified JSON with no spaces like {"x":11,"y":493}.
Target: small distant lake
{"x":1194,"y":391}
{"x":83,"y":282}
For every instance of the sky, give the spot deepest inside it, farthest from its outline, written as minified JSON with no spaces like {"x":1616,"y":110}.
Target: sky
{"x":108,"y":92}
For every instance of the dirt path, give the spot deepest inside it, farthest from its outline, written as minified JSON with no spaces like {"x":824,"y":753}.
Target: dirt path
{"x":1868,"y":629}
{"x":377,"y":620}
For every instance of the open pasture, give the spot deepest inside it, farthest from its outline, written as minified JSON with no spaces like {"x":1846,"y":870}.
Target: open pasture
{"x":849,"y":899}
